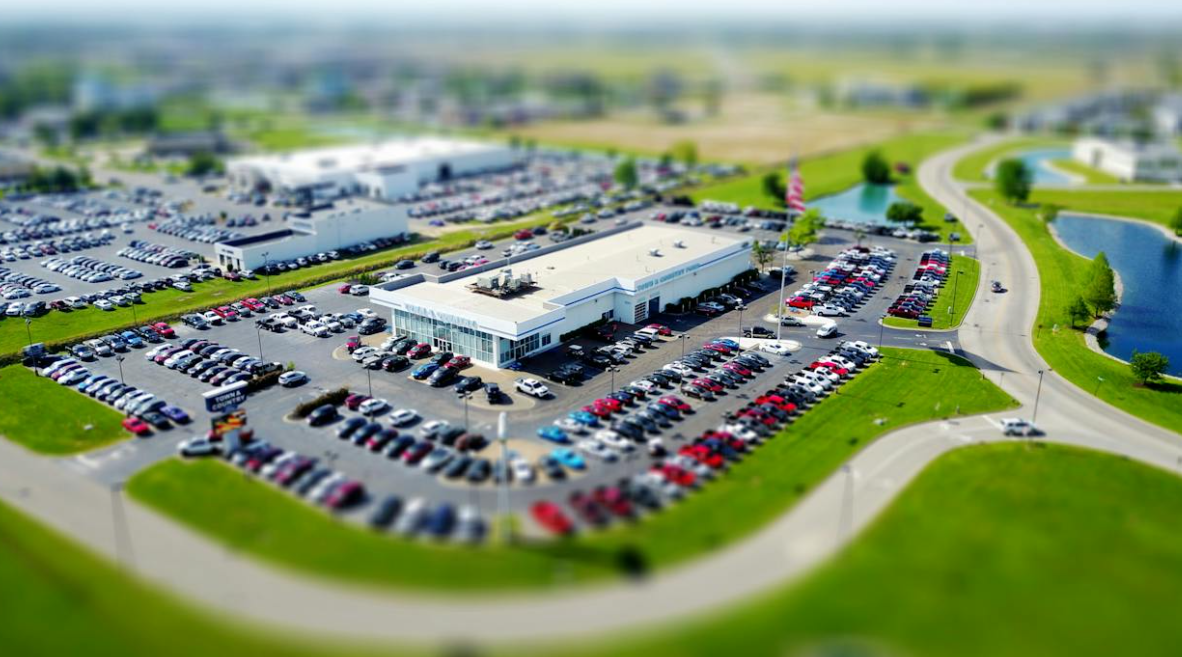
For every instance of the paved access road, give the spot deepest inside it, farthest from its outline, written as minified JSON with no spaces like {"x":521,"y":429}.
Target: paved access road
{"x":994,"y":336}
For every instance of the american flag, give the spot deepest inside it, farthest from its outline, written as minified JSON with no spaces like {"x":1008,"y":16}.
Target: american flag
{"x":794,"y":197}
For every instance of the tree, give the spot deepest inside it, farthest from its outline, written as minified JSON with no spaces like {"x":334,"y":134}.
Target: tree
{"x":626,"y":173}
{"x":203,"y":163}
{"x":1176,"y":222}
{"x":1078,"y":311}
{"x":1013,"y":180}
{"x":687,"y":152}
{"x":1148,"y":366}
{"x":804,"y":229}
{"x":875,"y":169}
{"x":761,"y":254}
{"x":666,"y":160}
{"x":1049,"y":212}
{"x":1100,"y":287}
{"x":904,"y":212}
{"x":45,"y":134}
{"x":773,"y":186}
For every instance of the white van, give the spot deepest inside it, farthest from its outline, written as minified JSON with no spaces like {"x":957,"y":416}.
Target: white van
{"x":827,"y":330}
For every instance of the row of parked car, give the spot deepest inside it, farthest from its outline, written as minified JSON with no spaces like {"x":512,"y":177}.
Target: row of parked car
{"x":90,"y":270}
{"x":156,"y":254}
{"x":19,"y":285}
{"x":846,"y":283}
{"x":52,"y":247}
{"x":195,"y":229}
{"x":707,"y":456}
{"x":920,"y":293}
{"x":115,"y":343}
{"x":145,"y":411}
{"x":210,"y":362}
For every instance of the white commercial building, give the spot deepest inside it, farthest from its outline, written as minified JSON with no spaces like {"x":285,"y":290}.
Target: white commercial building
{"x":305,"y":236}
{"x":499,"y":317}
{"x":1131,"y":161}
{"x":386,"y":170}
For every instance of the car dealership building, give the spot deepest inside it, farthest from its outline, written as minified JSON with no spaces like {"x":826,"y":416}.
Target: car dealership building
{"x":501,"y":315}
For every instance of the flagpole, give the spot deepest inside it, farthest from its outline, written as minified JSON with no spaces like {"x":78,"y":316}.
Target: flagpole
{"x":780,"y":309}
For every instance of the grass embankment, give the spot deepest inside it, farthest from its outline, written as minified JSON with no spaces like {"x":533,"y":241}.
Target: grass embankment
{"x":1061,"y":273}
{"x":53,"y":419}
{"x":830,"y":174}
{"x":1090,"y":175}
{"x":954,"y":298}
{"x":1151,"y":205}
{"x":57,"y":327}
{"x":1001,"y":549}
{"x":273,"y":525}
{"x":974,"y":166}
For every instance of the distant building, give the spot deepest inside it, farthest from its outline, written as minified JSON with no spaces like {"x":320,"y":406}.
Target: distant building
{"x":1167,"y":115}
{"x":96,"y":92}
{"x":388,"y":170}
{"x":185,"y":144}
{"x":13,"y":169}
{"x":1131,"y":161}
{"x":305,"y":236}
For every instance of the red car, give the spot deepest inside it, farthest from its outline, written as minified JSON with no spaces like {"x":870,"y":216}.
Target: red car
{"x":253,"y":304}
{"x":714,"y":346}
{"x":354,"y":400}
{"x":800,"y":302}
{"x":832,"y":367}
{"x":164,"y":329}
{"x":675,"y":402}
{"x":677,"y":475}
{"x":524,"y":234}
{"x":344,"y":289}
{"x":737,"y":369}
{"x":420,"y":350}
{"x":458,"y":362}
{"x":612,"y":405}
{"x":232,"y":276}
{"x":598,"y":410}
{"x":551,"y":517}
{"x":703,"y":455}
{"x":353,"y":343}
{"x":284,"y":299}
{"x":758,"y":416}
{"x":416,"y":453}
{"x":586,"y":507}
{"x":613,"y":500}
{"x":344,"y":495}
{"x":226,"y":312}
{"x":661,"y":329}
{"x":712,"y":386}
{"x":136,"y":426}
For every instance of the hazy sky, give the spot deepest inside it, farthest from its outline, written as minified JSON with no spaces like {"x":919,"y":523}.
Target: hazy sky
{"x":1152,"y":13}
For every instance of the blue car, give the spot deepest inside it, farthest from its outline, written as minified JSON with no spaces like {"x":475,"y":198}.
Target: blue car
{"x":584,"y":418}
{"x":423,"y":371}
{"x":175,"y":414}
{"x":133,"y":340}
{"x":569,"y":458}
{"x":553,"y":434}
{"x":727,"y":342}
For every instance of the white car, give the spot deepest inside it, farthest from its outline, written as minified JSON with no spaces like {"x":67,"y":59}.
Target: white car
{"x":411,"y":518}
{"x":597,"y":449}
{"x":333,"y":325}
{"x":484,"y":245}
{"x":862,"y":346}
{"x":828,"y":311}
{"x":212,"y":317}
{"x":103,"y":304}
{"x":367,"y":313}
{"x":403,"y":417}
{"x":292,"y":378}
{"x":614,"y":440}
{"x":532,"y":387}
{"x":433,"y":426}
{"x":363,"y":353}
{"x":316,"y":329}
{"x":373,"y":406}
{"x":775,"y":348}
{"x":197,"y":446}
{"x":359,"y":290}
{"x":680,"y":368}
{"x":827,"y":330}
{"x":645,"y":385}
{"x":570,"y":426}
{"x":1014,"y":426}
{"x":809,"y":385}
{"x":522,"y":471}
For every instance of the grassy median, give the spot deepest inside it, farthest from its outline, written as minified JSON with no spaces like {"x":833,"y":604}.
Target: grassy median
{"x":276,"y":526}
{"x":1063,"y":347}
{"x":954,"y":298}
{"x":974,"y":166}
{"x":1091,"y":176}
{"x":1151,"y":205}
{"x":1005,"y":549}
{"x":51,"y":418}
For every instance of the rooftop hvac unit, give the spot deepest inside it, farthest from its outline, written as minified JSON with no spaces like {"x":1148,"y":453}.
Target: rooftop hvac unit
{"x":486,"y":282}
{"x":679,"y":244}
{"x":656,"y":253}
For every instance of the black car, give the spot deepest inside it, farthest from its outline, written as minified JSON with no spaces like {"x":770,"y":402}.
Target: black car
{"x":349,"y":426}
{"x":449,"y":435}
{"x":322,"y":415}
{"x":493,"y":393}
{"x":433,"y":256}
{"x":386,"y":512}
{"x":468,"y":384}
{"x":628,"y":429}
{"x":441,"y":377}
{"x":371,"y":326}
{"x":404,"y":264}
{"x":553,"y":469}
{"x":758,"y":332}
{"x":441,"y":357}
{"x":395,"y":363}
{"x":563,"y":376}
{"x":457,"y":467}
{"x":479,"y":471}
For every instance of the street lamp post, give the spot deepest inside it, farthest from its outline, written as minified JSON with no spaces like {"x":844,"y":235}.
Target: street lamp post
{"x":955,"y":283}
{"x":682,"y":338}
{"x":1099,"y":382}
{"x":881,"y":326}
{"x":267,"y":271}
{"x":739,"y":339}
{"x":369,"y":380}
{"x":612,"y":370}
{"x":258,"y":329}
{"x":134,"y":319}
{"x":119,"y":359}
{"x":506,"y":527}
{"x":466,"y":396}
{"x":780,"y":300}
{"x":1037,"y":395}
{"x":29,"y":331}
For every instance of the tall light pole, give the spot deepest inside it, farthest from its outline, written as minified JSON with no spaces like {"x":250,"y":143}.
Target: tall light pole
{"x":683,"y":338}
{"x":955,"y":284}
{"x":119,"y":359}
{"x":267,"y":270}
{"x":739,"y":341}
{"x":369,"y":380}
{"x":881,"y":326}
{"x":1037,"y":395}
{"x":1099,"y":382}
{"x":29,"y":331}
{"x":612,"y":370}
{"x":780,"y":300}
{"x":258,"y":329}
{"x":503,"y":499}
{"x":466,"y":396}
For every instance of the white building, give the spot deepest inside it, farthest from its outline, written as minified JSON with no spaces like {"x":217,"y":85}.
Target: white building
{"x":1167,"y":115}
{"x":1131,"y":161}
{"x":307,"y":236}
{"x":387,"y":170}
{"x":626,"y":277}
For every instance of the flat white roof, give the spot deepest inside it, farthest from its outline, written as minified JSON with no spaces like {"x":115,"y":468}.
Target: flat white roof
{"x":624,"y":257}
{"x":367,"y":156}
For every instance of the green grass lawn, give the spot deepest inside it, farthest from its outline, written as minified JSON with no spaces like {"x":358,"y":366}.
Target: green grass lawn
{"x":1090,"y":175}
{"x":278,"y":527}
{"x":829,"y":174}
{"x":1151,"y":205}
{"x":942,"y":313}
{"x":1062,"y":346}
{"x":51,"y":418}
{"x":1004,"y":549}
{"x":58,"y":327}
{"x":972,"y":168}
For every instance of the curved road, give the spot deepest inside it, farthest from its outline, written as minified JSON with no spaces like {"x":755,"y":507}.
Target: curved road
{"x":994,"y":335}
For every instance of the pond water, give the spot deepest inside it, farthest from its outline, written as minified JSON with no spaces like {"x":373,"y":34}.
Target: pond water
{"x":1150,"y":268}
{"x":864,"y":204}
{"x":1036,"y":161}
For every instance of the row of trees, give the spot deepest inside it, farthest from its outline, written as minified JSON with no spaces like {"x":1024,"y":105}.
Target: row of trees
{"x":56,"y":179}
{"x":1097,"y":292}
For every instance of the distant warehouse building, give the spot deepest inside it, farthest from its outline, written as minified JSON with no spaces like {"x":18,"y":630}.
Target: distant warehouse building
{"x":1131,"y":161}
{"x":502,"y":316}
{"x":387,"y":170}
{"x":305,"y":236}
